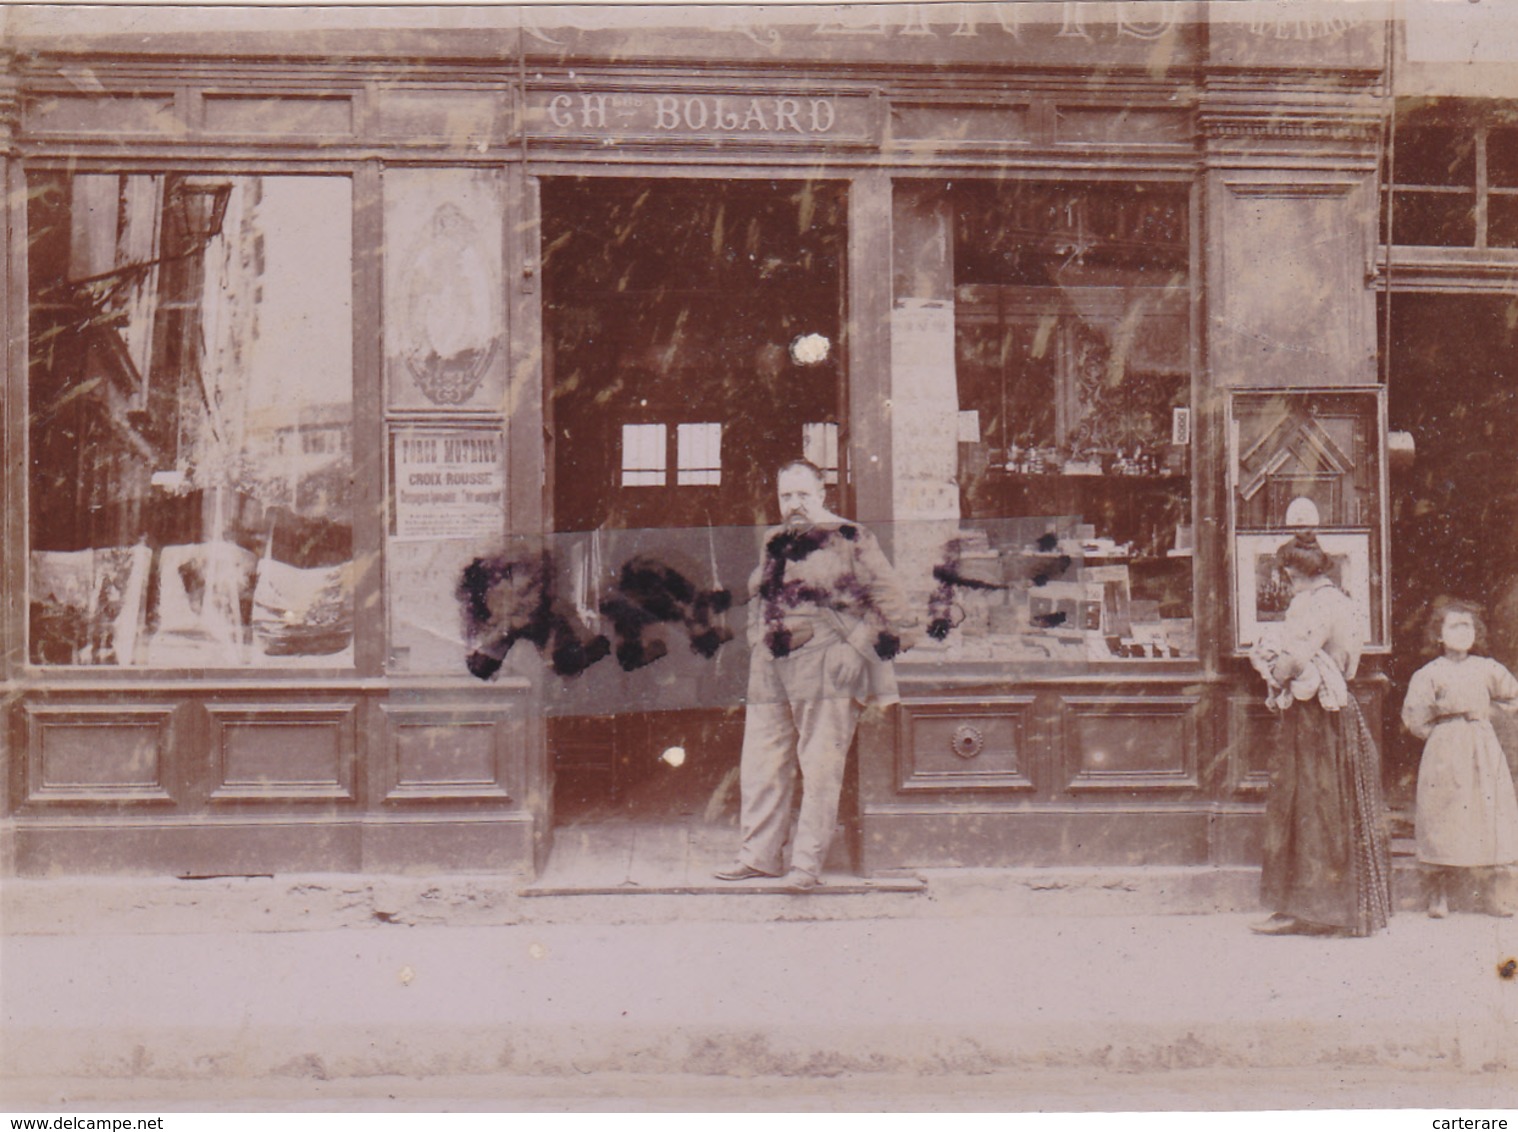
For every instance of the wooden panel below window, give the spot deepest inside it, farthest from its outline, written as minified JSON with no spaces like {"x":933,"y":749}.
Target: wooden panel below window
{"x":97,"y":753}
{"x":276,"y":753}
{"x":438,"y":754}
{"x":1251,"y":735}
{"x":1112,"y":743}
{"x":958,"y":746}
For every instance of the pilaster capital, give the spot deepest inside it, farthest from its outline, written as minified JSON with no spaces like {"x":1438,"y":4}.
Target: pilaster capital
{"x":10,"y":102}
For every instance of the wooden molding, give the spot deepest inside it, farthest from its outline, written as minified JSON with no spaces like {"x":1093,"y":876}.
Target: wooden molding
{"x":98,"y":753}
{"x":963,"y":744}
{"x":294,"y":734}
{"x":1247,"y":720}
{"x":475,"y":741}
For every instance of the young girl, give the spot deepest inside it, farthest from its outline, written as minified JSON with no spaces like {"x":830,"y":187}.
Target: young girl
{"x":1467,"y":812}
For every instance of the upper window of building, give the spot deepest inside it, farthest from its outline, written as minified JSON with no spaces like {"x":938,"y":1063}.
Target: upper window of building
{"x":191,"y":404}
{"x":1453,"y":168}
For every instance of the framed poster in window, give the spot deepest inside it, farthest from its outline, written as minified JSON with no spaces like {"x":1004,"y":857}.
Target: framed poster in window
{"x":1262,"y":591}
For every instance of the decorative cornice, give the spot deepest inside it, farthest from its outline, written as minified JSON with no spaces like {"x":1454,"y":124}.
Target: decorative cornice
{"x":1236,"y":125}
{"x":1277,"y":190}
{"x":1460,"y":271}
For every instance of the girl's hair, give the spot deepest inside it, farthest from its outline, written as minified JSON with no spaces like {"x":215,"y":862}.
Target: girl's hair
{"x":1304,"y":555}
{"x":1443,"y":607}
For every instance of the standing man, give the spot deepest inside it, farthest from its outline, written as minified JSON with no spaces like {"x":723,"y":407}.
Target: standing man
{"x":826,"y":619}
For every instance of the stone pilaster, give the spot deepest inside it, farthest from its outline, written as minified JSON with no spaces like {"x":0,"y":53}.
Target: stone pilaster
{"x":924,"y":395}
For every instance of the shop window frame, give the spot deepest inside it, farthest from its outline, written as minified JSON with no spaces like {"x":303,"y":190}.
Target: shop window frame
{"x":366,"y":643}
{"x":1180,"y":428}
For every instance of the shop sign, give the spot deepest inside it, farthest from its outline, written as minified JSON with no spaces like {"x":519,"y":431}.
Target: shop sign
{"x":449,"y":483}
{"x":686,"y":116}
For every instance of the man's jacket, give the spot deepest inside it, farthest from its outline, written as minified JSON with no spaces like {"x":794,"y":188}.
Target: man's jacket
{"x":828,"y":582}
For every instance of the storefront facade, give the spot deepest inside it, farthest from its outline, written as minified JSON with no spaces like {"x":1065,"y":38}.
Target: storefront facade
{"x":1072,"y":302}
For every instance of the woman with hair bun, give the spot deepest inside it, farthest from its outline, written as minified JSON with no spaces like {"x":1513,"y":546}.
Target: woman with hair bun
{"x":1327,"y":866}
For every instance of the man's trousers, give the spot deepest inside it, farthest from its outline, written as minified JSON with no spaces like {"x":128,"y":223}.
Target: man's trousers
{"x":802,"y":710}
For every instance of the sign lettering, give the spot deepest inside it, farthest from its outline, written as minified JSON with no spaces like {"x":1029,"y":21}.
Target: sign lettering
{"x":448,"y":484}
{"x":659,"y":116}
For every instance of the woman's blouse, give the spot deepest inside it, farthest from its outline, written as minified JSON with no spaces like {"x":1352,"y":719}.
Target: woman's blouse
{"x":1322,"y":617}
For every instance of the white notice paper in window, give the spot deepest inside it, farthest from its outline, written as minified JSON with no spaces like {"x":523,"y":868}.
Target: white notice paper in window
{"x":449,"y":483}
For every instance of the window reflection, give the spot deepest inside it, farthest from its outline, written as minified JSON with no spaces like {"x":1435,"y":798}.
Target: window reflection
{"x":191,"y":420}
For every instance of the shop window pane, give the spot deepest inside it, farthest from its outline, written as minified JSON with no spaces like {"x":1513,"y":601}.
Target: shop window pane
{"x":1502,"y":157}
{"x":644,"y":455}
{"x":819,"y":444}
{"x":1072,"y":355}
{"x":698,"y":454}
{"x":1502,"y":220}
{"x":1434,"y":219}
{"x":1435,"y":155}
{"x":192,"y":416}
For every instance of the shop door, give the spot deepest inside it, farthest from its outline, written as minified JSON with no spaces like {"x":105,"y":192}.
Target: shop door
{"x":1453,"y":386}
{"x":692,"y":346}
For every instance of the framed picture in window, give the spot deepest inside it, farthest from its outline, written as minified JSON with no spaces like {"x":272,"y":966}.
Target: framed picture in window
{"x":1262,"y":591}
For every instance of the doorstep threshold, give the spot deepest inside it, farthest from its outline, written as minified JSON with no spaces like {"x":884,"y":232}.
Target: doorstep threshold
{"x":831,"y":886}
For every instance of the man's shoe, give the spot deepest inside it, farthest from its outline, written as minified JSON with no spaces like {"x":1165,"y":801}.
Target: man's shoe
{"x":798,"y":881}
{"x":1438,"y":906}
{"x":741,"y":871}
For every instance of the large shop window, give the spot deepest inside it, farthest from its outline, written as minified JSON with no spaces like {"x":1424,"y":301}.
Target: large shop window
{"x":1072,"y":344}
{"x":191,"y":412}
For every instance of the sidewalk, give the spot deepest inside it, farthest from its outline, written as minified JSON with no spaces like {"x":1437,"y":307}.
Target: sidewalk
{"x":1036,"y":983}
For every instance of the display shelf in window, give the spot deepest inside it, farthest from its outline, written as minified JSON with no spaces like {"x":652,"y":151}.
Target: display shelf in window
{"x":1050,"y":591}
{"x":1305,"y":457}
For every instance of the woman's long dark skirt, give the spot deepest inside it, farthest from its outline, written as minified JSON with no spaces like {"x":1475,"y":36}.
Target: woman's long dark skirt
{"x":1327,"y":858}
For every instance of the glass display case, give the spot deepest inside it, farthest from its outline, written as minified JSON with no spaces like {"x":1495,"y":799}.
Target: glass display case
{"x":1073,"y":345}
{"x":1307,"y":458}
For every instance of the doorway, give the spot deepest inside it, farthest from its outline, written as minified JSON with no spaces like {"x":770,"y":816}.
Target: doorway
{"x":691,"y":345}
{"x":1453,"y":386}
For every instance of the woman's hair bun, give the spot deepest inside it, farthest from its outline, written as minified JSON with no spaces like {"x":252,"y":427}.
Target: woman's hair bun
{"x":1307,"y":540}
